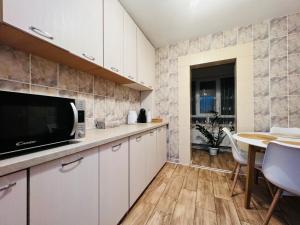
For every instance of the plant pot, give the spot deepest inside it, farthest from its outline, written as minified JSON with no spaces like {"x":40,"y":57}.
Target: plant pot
{"x":213,"y":151}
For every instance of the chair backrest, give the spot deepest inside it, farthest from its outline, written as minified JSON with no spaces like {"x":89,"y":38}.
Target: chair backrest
{"x":235,"y":149}
{"x":281,"y":166}
{"x":285,"y":130}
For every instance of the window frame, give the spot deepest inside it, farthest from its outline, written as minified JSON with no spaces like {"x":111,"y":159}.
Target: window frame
{"x":218,"y":97}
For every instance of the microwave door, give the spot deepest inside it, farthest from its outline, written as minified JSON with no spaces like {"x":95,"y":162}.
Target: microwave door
{"x":29,"y":121}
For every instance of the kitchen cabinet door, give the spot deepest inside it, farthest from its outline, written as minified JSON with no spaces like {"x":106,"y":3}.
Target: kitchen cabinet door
{"x":137,"y":171}
{"x":113,"y":36}
{"x":150,"y":65}
{"x":114,"y":182}
{"x":65,"y":191}
{"x":130,"y":48}
{"x":151,"y":152}
{"x":145,"y":60}
{"x":43,"y":19}
{"x":13,"y":195}
{"x":161,"y":146}
{"x":83,"y":29}
{"x":141,"y":57}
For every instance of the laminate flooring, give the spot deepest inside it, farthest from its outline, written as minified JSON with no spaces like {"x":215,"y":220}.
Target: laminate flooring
{"x":223,"y":160}
{"x":184,"y":195}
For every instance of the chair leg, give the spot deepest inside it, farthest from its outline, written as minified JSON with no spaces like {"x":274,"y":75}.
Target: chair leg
{"x":234,"y":171}
{"x":270,"y":188}
{"x":235,"y":178}
{"x":273,"y":205}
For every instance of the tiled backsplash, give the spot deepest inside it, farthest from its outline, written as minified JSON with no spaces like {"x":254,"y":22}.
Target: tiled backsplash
{"x":22,"y":72}
{"x":276,"y":58}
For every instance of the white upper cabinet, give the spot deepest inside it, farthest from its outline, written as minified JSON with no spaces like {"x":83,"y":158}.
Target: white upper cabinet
{"x":76,"y":27}
{"x":13,"y":203}
{"x":130,"y":48}
{"x":146,"y":60}
{"x":141,"y":57}
{"x":113,"y":36}
{"x":65,"y":191}
{"x":151,"y":65}
{"x":101,"y":32}
{"x":39,"y":18}
{"x":83,"y":29}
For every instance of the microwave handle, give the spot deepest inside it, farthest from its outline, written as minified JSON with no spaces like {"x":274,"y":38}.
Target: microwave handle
{"x":75,"y":113}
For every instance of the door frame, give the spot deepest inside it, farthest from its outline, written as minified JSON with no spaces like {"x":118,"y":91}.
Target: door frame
{"x":243,"y":56}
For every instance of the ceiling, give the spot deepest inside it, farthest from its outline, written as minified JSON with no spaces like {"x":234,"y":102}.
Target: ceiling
{"x":169,"y":21}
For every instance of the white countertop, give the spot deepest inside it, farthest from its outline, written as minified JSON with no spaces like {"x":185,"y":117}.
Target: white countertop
{"x":94,"y":138}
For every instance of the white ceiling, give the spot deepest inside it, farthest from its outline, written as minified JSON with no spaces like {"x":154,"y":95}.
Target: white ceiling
{"x":170,"y":21}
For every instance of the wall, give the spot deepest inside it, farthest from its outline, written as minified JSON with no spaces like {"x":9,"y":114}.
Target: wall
{"x":276,"y":72}
{"x":22,"y":72}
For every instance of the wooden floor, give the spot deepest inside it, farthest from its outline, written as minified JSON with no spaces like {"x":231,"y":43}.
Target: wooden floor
{"x":186,"y":195}
{"x":223,"y":160}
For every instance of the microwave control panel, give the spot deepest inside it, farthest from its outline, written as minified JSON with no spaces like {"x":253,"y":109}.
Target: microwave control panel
{"x":80,"y":131}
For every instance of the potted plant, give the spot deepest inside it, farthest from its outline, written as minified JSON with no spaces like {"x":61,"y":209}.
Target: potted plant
{"x":213,"y":132}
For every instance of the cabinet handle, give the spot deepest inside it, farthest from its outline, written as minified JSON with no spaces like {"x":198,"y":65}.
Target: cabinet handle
{"x":8,"y":186}
{"x":88,"y":57}
{"x":114,"y":69}
{"x":130,"y":77}
{"x":142,"y":82}
{"x":139,"y":138}
{"x":41,"y":33}
{"x":116,"y":148}
{"x":151,"y":133}
{"x":74,"y":161}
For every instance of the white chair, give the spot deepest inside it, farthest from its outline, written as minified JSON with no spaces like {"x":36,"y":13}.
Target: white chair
{"x":241,"y":158}
{"x":281,"y":167}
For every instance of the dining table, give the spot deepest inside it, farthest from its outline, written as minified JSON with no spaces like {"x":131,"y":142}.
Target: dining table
{"x":258,"y":142}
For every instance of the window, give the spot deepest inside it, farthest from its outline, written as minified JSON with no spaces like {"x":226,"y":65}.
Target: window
{"x":213,"y":89}
{"x":213,"y":95}
{"x":227,"y":96}
{"x":207,"y":96}
{"x":193,"y":98}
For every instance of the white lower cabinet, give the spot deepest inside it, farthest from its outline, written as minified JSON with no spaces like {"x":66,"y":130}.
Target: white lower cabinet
{"x":13,"y":195}
{"x":151,"y":155}
{"x":65,"y":191}
{"x":114,"y":181}
{"x":137,"y":168}
{"x":146,"y":159}
{"x":162,"y":148}
{"x":91,"y":187}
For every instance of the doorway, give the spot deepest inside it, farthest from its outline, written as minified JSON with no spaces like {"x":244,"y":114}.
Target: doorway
{"x":243,"y":57}
{"x":213,"y":107}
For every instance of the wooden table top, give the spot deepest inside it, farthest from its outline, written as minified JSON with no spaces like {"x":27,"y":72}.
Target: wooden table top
{"x":262,"y":139}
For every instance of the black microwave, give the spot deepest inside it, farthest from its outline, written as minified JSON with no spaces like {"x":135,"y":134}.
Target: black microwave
{"x":29,"y":121}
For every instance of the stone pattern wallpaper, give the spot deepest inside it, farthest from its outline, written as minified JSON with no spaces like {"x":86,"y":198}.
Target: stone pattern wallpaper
{"x":276,"y":44}
{"x":22,"y":72}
